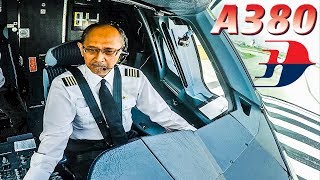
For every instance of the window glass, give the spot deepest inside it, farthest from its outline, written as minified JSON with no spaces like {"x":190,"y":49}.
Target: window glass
{"x":208,"y":72}
{"x":169,"y":59}
{"x":193,"y":66}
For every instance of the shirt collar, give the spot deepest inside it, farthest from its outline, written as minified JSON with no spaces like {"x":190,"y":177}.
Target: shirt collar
{"x":95,"y":79}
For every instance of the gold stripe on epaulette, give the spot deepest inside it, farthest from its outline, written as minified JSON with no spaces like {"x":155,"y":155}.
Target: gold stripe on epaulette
{"x":69,"y":81}
{"x":131,"y":72}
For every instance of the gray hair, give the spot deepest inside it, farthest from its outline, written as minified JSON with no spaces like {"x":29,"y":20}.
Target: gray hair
{"x":92,"y":26}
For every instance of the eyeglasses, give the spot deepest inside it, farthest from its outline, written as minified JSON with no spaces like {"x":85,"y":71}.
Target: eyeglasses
{"x":95,"y":51}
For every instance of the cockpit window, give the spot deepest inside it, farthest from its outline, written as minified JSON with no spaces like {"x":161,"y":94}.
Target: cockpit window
{"x":169,"y":59}
{"x":208,"y":73}
{"x":187,"y":59}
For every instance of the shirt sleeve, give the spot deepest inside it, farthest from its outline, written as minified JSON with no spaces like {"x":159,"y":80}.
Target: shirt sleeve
{"x":152,"y":104}
{"x":57,"y":127}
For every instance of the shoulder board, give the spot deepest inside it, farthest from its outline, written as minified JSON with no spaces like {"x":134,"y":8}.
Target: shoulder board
{"x":69,"y":81}
{"x":132,"y":72}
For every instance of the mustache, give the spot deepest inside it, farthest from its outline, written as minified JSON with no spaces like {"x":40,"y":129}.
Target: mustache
{"x":98,"y":64}
{"x":101,"y":65}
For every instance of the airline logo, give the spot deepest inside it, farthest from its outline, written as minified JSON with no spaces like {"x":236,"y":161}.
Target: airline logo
{"x":296,"y":62}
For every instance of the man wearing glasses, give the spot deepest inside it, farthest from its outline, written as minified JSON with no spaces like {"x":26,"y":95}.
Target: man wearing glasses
{"x":67,"y":114}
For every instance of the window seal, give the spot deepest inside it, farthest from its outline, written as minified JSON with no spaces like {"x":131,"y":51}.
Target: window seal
{"x":174,"y":55}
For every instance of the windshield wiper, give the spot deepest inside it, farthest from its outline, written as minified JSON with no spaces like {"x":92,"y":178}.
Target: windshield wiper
{"x":214,"y":4}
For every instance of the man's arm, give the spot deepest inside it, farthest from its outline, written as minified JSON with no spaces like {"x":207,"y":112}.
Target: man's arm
{"x":57,"y":127}
{"x":152,"y":104}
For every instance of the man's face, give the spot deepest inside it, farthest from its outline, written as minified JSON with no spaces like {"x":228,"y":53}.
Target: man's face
{"x":101,"y":49}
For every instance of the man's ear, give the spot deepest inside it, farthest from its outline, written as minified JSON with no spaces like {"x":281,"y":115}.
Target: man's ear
{"x":80,"y":46}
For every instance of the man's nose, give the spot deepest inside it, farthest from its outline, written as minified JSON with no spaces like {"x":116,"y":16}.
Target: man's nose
{"x":101,"y":57}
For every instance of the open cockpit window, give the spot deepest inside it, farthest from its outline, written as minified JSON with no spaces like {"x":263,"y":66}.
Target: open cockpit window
{"x":208,"y":72}
{"x":189,"y":66}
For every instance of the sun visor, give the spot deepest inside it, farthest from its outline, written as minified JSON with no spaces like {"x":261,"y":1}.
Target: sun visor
{"x":181,"y":7}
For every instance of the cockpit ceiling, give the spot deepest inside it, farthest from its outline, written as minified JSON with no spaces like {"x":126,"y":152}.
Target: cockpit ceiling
{"x":181,"y":7}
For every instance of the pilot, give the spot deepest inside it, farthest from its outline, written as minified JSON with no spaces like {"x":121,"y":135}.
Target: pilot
{"x":67,"y":114}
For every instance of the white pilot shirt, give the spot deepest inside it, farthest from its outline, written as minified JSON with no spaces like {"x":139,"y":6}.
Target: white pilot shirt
{"x":67,"y":115}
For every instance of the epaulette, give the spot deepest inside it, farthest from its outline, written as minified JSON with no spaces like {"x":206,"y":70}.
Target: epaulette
{"x":69,"y":81}
{"x":131,"y":72}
